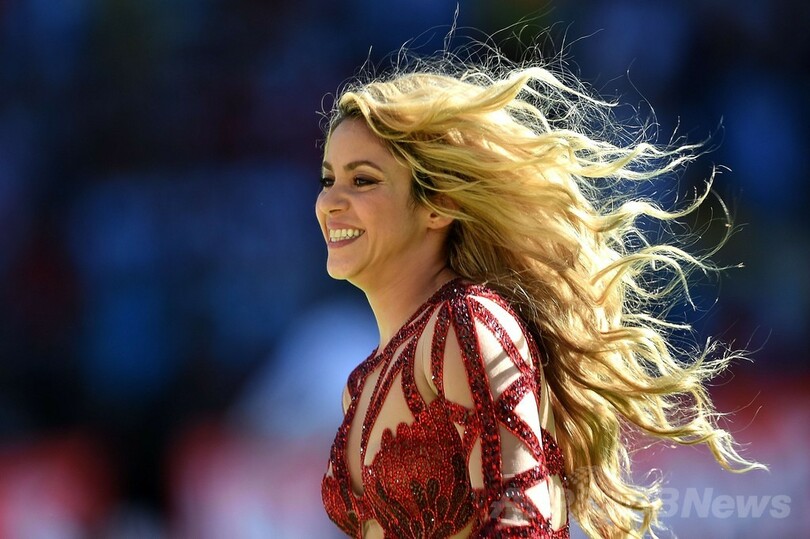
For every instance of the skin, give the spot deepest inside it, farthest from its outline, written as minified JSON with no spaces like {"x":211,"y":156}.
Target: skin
{"x":400,"y":258}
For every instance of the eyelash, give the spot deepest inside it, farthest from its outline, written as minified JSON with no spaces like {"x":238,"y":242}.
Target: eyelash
{"x":359,"y":181}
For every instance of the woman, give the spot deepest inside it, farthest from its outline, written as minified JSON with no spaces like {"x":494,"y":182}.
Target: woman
{"x":519,"y":342}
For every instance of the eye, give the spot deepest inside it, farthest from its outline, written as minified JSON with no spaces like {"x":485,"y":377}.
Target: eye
{"x":362,"y":181}
{"x":327,"y":182}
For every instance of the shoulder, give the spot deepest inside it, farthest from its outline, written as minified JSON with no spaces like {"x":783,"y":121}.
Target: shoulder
{"x":485,"y":322}
{"x":479,"y":345}
{"x":482,"y":305}
{"x":460,"y":295}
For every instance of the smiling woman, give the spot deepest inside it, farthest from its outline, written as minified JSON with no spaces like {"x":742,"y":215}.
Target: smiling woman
{"x":375,"y":232}
{"x":516,"y":303}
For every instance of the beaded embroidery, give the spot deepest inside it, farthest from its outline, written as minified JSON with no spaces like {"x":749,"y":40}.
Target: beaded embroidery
{"x":418,"y":485}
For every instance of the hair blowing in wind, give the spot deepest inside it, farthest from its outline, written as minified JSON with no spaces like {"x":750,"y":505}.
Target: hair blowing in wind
{"x":538,"y":176}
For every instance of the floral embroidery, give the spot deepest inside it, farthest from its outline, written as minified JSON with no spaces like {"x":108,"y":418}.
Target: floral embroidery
{"x":418,"y":484}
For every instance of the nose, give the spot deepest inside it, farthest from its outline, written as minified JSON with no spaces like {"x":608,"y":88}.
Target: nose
{"x":332,"y":200}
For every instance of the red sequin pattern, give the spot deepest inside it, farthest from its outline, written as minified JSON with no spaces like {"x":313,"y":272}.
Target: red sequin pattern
{"x":418,"y":482}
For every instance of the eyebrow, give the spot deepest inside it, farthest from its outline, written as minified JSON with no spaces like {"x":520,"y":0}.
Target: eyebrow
{"x":354,"y":164}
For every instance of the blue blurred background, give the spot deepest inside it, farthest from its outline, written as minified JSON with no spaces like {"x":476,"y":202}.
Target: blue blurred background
{"x":172,"y":352}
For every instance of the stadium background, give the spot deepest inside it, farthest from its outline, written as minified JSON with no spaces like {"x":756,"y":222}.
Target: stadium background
{"x":171,"y":350}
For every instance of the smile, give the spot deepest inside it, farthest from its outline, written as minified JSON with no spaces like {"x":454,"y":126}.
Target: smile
{"x":342,"y":234}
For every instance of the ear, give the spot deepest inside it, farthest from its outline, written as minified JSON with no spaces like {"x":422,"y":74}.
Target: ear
{"x":437,"y":221}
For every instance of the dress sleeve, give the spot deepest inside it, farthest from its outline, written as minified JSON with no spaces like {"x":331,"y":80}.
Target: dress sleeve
{"x":484,"y":362}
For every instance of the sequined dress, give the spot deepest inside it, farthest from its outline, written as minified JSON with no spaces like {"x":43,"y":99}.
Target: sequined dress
{"x":447,"y":431}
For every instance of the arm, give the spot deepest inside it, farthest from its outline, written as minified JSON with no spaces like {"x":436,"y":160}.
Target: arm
{"x":484,"y":362}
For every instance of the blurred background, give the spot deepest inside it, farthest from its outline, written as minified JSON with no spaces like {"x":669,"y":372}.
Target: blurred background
{"x":172,"y":352}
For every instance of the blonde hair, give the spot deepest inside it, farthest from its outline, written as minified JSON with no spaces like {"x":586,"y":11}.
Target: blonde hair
{"x":531,"y":168}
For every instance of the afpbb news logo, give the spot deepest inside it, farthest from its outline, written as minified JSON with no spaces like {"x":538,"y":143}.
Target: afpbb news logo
{"x":705,"y":503}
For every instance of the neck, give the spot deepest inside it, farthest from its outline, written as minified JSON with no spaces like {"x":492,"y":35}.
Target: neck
{"x":397,"y":300}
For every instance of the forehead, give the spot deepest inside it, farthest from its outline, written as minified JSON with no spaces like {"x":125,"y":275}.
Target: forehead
{"x":353,"y":139}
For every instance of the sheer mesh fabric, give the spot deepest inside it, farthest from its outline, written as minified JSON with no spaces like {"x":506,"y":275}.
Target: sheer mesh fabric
{"x":448,"y":430}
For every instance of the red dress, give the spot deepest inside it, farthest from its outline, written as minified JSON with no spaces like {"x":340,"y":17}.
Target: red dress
{"x":417,"y":482}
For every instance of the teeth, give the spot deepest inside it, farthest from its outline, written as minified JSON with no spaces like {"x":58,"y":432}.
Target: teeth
{"x":341,"y":234}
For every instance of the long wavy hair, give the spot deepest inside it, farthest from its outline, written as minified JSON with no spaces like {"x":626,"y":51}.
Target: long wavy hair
{"x":534,"y":169}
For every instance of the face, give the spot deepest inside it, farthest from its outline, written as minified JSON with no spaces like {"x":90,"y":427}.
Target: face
{"x":373,"y":229}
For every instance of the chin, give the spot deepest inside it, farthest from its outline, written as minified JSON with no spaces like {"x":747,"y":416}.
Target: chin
{"x":338,"y":272}
{"x":347,"y":274}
